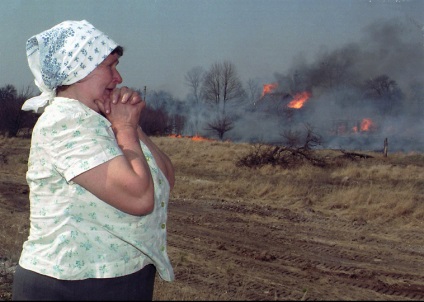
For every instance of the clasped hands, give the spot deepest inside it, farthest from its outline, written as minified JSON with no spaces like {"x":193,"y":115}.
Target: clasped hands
{"x":123,"y":108}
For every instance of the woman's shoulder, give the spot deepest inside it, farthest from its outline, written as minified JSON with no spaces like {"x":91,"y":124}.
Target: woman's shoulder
{"x":64,"y":107}
{"x":60,"y":109}
{"x":66,"y":114}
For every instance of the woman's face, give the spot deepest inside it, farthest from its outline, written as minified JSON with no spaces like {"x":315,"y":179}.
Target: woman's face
{"x":99,"y":84}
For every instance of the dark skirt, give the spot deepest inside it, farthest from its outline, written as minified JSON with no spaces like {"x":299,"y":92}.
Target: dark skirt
{"x":30,"y":286}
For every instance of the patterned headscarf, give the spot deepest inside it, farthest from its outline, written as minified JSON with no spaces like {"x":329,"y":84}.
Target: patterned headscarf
{"x":63,"y":55}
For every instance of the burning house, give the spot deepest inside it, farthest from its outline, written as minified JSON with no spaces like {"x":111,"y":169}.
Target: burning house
{"x":301,"y":107}
{"x":283,"y":104}
{"x":355,"y":96}
{"x":295,"y":107}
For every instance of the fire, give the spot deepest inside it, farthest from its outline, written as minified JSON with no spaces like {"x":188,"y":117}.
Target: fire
{"x":366,"y":125}
{"x":299,"y":100}
{"x":200,"y":138}
{"x":268,"y":88}
{"x":196,"y":137}
{"x":176,"y":135}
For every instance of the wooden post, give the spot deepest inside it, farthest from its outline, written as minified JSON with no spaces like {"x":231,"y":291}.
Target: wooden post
{"x":385,"y":147}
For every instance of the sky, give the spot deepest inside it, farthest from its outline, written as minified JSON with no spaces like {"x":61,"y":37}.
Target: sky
{"x":164,"y":39}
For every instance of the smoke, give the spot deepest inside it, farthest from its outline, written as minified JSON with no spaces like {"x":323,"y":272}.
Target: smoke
{"x":380,"y":78}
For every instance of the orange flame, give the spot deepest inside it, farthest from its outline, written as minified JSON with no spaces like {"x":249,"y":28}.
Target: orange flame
{"x":299,"y":100}
{"x":200,"y":138}
{"x":268,"y":88}
{"x":196,"y":137}
{"x":175,"y":135}
{"x":366,"y":125}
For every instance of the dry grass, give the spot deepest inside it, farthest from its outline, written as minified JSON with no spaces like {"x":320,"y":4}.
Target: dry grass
{"x":377,"y":190}
{"x":15,"y":225}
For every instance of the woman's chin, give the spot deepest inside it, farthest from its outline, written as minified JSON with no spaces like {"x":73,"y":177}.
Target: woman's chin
{"x":107,"y":94}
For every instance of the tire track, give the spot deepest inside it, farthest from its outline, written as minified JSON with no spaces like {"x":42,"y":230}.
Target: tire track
{"x":267,"y":253}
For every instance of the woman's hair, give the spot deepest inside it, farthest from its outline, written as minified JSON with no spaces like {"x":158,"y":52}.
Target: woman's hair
{"x":119,"y":50}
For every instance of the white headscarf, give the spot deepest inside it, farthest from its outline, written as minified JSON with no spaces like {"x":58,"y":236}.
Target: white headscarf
{"x":63,"y":55}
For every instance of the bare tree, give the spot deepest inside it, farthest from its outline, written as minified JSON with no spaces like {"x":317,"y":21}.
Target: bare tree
{"x":335,"y":69}
{"x":312,"y":139}
{"x":194,"y":79}
{"x":380,"y":86}
{"x":8,"y":95}
{"x":297,"y":152}
{"x":155,"y":121}
{"x":384,"y":90}
{"x":12,"y":118}
{"x":221,"y":84}
{"x":163,"y":114}
{"x":253,"y":91}
{"x":220,"y":126}
{"x":294,"y":139}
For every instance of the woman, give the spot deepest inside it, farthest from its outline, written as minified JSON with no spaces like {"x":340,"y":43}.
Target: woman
{"x":99,"y":187}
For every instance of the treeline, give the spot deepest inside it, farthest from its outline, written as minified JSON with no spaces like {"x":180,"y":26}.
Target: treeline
{"x":13,"y":120}
{"x":155,"y":119}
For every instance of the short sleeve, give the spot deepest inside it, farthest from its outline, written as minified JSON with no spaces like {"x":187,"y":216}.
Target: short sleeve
{"x":81,"y":143}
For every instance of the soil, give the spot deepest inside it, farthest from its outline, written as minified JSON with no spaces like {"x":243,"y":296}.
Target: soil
{"x":223,"y":250}
{"x":235,"y":250}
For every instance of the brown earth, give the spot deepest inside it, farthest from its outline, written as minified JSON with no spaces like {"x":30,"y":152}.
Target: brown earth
{"x":234,"y":250}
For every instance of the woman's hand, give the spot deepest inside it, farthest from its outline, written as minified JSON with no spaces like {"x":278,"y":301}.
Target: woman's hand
{"x":122,"y":95}
{"x":123,"y":108}
{"x":125,"y":115}
{"x":124,"y":182}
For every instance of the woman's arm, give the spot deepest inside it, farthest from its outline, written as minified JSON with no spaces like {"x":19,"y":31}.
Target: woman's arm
{"x":163,"y":161}
{"x":125,"y":181}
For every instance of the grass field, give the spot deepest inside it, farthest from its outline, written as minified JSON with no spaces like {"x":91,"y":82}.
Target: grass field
{"x":377,"y":191}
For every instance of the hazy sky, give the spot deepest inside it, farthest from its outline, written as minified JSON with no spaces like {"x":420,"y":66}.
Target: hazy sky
{"x":164,"y":39}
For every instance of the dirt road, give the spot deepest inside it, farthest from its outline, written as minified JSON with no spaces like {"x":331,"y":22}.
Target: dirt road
{"x":235,"y":251}
{"x":224,"y":250}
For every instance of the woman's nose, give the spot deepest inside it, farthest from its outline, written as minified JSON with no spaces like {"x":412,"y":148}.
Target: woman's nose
{"x":117,"y":77}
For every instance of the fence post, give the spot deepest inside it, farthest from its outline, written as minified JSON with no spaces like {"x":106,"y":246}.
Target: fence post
{"x":385,"y":147}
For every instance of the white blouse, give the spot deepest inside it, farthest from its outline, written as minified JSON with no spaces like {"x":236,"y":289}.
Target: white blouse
{"x":73,"y":234}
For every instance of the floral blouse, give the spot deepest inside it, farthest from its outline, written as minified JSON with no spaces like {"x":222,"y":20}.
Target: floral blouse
{"x":73,"y":234}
